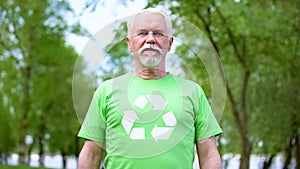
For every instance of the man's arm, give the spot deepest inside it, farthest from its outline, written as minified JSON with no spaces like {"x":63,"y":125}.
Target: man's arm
{"x":208,"y":154}
{"x":91,"y":155}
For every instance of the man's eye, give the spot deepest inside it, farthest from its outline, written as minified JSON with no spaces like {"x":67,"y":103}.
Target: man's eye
{"x":158,"y":34}
{"x":143,"y":33}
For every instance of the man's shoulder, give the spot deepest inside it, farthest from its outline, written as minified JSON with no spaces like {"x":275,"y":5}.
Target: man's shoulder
{"x":184,"y":81}
{"x":187,"y":85}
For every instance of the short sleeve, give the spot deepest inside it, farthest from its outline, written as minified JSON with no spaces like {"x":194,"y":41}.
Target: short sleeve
{"x":206,"y":124}
{"x":94,"y":124}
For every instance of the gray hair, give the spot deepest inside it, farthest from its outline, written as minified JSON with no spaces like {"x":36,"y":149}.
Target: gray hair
{"x":150,"y":10}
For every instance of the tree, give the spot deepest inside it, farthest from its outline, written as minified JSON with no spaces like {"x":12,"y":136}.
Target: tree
{"x":223,"y":28}
{"x":7,"y":114}
{"x":279,"y":91}
{"x":242,"y":33}
{"x":38,"y":67}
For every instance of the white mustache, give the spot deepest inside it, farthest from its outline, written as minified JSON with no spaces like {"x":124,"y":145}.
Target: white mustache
{"x":152,"y":47}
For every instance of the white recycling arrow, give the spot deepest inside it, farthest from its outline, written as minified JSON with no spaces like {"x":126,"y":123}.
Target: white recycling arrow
{"x":157,"y":102}
{"x":137,"y":133}
{"x":158,"y":133}
{"x":161,"y":133}
{"x":169,"y":119}
{"x":128,"y":120}
{"x":141,"y":102}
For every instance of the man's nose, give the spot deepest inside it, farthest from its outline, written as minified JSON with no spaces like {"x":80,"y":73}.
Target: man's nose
{"x":150,"y":39}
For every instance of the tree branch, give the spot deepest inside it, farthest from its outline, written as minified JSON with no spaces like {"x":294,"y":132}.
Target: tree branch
{"x":207,"y":25}
{"x":240,"y":57}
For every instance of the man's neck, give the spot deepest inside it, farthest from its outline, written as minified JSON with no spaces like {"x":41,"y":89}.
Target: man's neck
{"x":150,"y":73}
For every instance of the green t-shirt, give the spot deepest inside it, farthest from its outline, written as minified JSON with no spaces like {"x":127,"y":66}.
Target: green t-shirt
{"x":149,"y":124}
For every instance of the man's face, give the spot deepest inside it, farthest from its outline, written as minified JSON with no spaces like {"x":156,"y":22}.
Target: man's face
{"x":149,"y":41}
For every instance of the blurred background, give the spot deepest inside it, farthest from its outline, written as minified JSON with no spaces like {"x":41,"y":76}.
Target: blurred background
{"x":46,"y":82}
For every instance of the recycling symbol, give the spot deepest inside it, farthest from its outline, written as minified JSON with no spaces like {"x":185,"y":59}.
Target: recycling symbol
{"x":149,"y":102}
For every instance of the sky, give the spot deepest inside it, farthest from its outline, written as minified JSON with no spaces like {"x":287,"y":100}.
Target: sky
{"x":104,"y":14}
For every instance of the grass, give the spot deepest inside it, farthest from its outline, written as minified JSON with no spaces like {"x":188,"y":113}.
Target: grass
{"x":19,"y":167}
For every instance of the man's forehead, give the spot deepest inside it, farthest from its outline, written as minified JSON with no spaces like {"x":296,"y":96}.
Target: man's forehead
{"x":147,"y":16}
{"x":144,"y":20}
{"x":147,"y":29}
{"x":143,"y":29}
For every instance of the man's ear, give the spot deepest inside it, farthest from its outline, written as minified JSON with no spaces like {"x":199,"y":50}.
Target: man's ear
{"x":129,"y":44}
{"x":170,"y":43}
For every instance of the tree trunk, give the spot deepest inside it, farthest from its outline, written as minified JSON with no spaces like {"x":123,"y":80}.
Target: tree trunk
{"x":29,"y":151}
{"x":239,"y":108}
{"x":42,"y":130}
{"x":246,"y":153}
{"x":3,"y":158}
{"x":268,"y":162}
{"x":247,"y":145}
{"x":22,"y":144}
{"x":24,"y":117}
{"x":287,"y":161}
{"x":64,"y":159}
{"x":293,"y":144}
{"x":240,"y":116}
{"x":41,"y":152}
{"x":77,"y":149}
{"x":288,"y":154}
{"x":297,"y":142}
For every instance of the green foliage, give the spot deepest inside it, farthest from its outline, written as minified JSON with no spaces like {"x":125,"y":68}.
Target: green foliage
{"x":7,"y":120}
{"x":7,"y":132}
{"x":261,"y":38}
{"x":275,"y":77}
{"x":36,"y":77}
{"x":266,"y":35}
{"x":117,"y":59}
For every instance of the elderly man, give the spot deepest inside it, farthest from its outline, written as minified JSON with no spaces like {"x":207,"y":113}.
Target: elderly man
{"x":149,"y":118}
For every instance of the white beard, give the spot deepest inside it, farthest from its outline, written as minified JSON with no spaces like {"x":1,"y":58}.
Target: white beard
{"x":151,"y":57}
